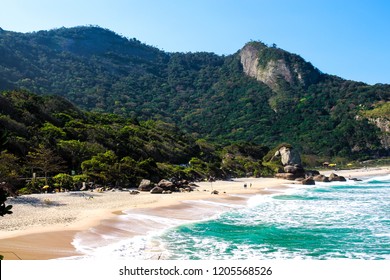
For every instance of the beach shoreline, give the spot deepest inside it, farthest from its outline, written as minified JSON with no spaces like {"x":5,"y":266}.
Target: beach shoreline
{"x":44,"y":226}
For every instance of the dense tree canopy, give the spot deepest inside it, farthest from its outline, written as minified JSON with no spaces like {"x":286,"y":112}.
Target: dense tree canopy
{"x":65,"y":147}
{"x":204,"y":95}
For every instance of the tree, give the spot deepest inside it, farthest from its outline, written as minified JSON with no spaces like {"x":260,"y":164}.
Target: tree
{"x":9,"y":167}
{"x":76,"y":151}
{"x":6,"y":189}
{"x":46,"y":160}
{"x":63,"y":181}
{"x":103,"y":168}
{"x":9,"y":171}
{"x":52,"y":133}
{"x":3,"y":138}
{"x":129,"y":171}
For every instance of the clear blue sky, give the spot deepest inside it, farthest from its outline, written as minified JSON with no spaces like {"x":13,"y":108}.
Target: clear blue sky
{"x":347,"y":38}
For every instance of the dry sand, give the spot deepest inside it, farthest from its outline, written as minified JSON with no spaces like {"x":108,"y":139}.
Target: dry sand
{"x":43,"y":226}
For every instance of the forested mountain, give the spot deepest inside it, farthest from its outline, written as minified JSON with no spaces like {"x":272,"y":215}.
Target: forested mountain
{"x":260,"y":94}
{"x":49,"y":136}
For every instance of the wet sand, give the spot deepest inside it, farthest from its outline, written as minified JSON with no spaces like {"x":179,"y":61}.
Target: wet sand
{"x":44,"y":226}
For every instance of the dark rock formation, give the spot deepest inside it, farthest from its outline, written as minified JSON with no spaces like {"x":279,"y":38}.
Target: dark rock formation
{"x":321,"y":178}
{"x":311,"y":173}
{"x":166,"y":185}
{"x":308,"y":181}
{"x":133,"y":192}
{"x":355,"y":179}
{"x":184,"y":184}
{"x":336,"y":178}
{"x":295,"y":169}
{"x":286,"y":176}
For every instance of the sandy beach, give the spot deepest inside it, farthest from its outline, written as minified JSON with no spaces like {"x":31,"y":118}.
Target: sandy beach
{"x":44,"y":226}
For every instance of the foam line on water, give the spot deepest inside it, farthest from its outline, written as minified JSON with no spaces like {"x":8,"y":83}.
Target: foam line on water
{"x":347,"y":218}
{"x":267,"y":226}
{"x":213,"y":203}
{"x":97,"y":243}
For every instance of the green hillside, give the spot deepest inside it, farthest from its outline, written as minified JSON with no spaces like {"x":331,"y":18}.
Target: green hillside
{"x":282,"y":98}
{"x":49,"y":136}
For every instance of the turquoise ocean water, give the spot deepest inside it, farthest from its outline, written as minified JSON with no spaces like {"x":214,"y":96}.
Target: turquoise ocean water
{"x":326,"y":221}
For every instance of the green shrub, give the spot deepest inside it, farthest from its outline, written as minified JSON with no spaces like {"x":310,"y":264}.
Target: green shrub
{"x":80,"y":178}
{"x":274,"y":167}
{"x":24,"y":190}
{"x":63,"y":181}
{"x":34,"y":186}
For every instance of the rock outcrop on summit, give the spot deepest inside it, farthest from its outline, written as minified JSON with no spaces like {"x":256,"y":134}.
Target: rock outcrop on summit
{"x":272,"y":65}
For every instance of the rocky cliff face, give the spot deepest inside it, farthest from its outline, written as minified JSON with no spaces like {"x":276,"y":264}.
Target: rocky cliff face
{"x":269,"y":73}
{"x":249,"y":60}
{"x":273,"y":66}
{"x":273,"y":71}
{"x":384,"y":125}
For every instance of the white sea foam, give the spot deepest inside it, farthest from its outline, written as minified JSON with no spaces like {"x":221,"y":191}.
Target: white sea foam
{"x":350,"y":214}
{"x":215,"y":204}
{"x":357,"y":208}
{"x":96,"y":243}
{"x":381,"y":178}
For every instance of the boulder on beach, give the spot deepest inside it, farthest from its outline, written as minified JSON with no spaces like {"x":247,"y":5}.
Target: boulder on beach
{"x":288,"y":156}
{"x":336,"y":178}
{"x":321,"y":178}
{"x":145,"y":185}
{"x":286,"y":176}
{"x":157,"y":190}
{"x":312,"y":173}
{"x":182,"y":183}
{"x":165,"y":184}
{"x":294,"y":169}
{"x":308,"y":181}
{"x":134,"y":192}
{"x":292,"y":165}
{"x":355,"y":179}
